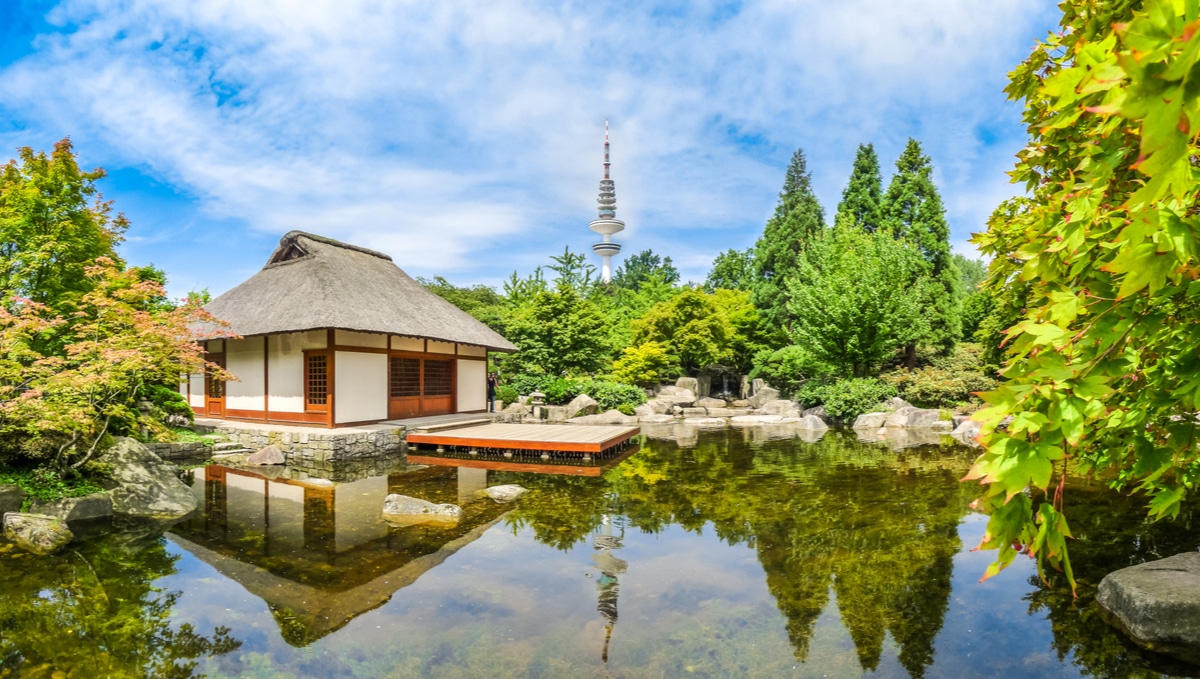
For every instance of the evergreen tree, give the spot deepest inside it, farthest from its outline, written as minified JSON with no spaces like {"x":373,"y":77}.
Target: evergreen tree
{"x":863,"y":197}
{"x":636,"y":269}
{"x":731,"y":270}
{"x":798,"y":219}
{"x":913,"y":211}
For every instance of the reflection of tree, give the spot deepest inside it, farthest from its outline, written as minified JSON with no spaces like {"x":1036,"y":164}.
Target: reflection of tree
{"x":95,"y":611}
{"x":879,"y":528}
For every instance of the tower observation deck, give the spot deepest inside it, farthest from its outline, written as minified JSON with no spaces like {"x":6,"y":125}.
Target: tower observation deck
{"x":607,"y":224}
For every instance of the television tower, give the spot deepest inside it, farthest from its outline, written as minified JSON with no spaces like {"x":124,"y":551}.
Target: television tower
{"x":607,"y":224}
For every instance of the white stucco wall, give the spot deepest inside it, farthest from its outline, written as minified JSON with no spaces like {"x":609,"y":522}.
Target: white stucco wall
{"x":471,"y":350}
{"x":244,"y":358}
{"x":196,"y":399}
{"x":472,"y":385}
{"x":408,"y":344}
{"x":360,"y":387}
{"x":349,"y":338}
{"x":436,"y":347}
{"x":286,"y":365}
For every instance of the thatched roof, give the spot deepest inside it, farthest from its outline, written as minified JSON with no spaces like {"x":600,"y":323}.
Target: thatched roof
{"x":313,"y":282}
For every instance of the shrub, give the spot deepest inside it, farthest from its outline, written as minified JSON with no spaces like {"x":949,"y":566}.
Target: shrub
{"x":507,"y":394}
{"x":626,"y":409}
{"x":933,"y":387}
{"x":612,"y":395}
{"x":785,"y":369}
{"x":645,"y":364}
{"x":525,"y":384}
{"x":847,"y":399}
{"x":561,"y":390}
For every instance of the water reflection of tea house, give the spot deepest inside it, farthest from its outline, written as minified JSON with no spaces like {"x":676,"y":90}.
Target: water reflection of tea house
{"x":317,"y":551}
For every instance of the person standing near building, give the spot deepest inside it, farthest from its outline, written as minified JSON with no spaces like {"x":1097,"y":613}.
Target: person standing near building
{"x":491,"y":392}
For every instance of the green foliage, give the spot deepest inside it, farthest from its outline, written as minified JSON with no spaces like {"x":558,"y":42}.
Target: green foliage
{"x":912,"y":211}
{"x":862,"y":201}
{"x":168,"y":403}
{"x":854,"y":301}
{"x":562,"y":390}
{"x":558,"y":333}
{"x":638,"y":268}
{"x":626,"y":408}
{"x":645,"y":365}
{"x":785,"y":369}
{"x":692,"y":327}
{"x":573,"y":270}
{"x":976,"y":307}
{"x":53,"y":225}
{"x":973,"y":272}
{"x":1102,"y":361}
{"x":49,"y":483}
{"x":847,"y":399}
{"x":931,"y":387}
{"x":507,"y":394}
{"x":481,"y":301}
{"x":731,"y":270}
{"x":798,"y":219}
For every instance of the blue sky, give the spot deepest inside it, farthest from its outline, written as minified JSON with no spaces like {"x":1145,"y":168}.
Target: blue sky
{"x":465,"y":138}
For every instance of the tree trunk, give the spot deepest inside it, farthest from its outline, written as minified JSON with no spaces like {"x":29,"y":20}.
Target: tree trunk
{"x":910,"y":356}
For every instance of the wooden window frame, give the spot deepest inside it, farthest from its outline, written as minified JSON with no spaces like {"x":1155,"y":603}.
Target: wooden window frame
{"x":310,"y":407}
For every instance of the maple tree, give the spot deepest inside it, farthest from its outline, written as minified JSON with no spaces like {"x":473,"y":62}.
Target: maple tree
{"x":1103,"y":366}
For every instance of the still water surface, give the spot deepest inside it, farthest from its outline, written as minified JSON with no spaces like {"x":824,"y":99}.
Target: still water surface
{"x":733,"y":553}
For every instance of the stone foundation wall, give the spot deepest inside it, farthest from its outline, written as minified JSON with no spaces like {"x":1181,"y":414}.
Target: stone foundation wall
{"x":191,"y":450}
{"x":307,"y":448}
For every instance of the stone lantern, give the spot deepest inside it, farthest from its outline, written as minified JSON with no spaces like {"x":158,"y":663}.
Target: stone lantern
{"x":537,"y":399}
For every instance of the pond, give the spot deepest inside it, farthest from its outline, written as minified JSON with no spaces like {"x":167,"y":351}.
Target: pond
{"x":728,"y":553}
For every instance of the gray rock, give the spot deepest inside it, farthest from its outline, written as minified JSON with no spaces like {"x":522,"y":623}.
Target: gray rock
{"x":1157,"y":604}
{"x":762,"y":396}
{"x":711,"y":403}
{"x":755,"y":419}
{"x":811,"y":423}
{"x":703,"y":385}
{"x":505,"y":493}
{"x":757,"y":385}
{"x":777,"y":407}
{"x":266,"y":455}
{"x":968,"y":432}
{"x":706,"y":421}
{"x":145,"y":485}
{"x":793,"y":413}
{"x":740,"y":403}
{"x":896,"y":403}
{"x":582,"y":404}
{"x":11,"y":499}
{"x":94,"y":506}
{"x":723,"y":412}
{"x":695,"y":412}
{"x":819,"y":412}
{"x":37,"y":533}
{"x":680,"y":397}
{"x":689,"y":383}
{"x":405,"y":510}
{"x":659,"y":406}
{"x":555,"y":413}
{"x":656,"y":419}
{"x":610,"y":417}
{"x":870,"y":420}
{"x":916,"y":418}
{"x":645,"y":410}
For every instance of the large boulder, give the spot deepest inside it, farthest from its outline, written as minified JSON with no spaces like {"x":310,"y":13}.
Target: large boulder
{"x":410,"y":511}
{"x":659,"y":406}
{"x":267,"y":455}
{"x":777,"y":407}
{"x":37,"y":533}
{"x":94,"y":506}
{"x":706,"y":422}
{"x":146,"y":486}
{"x":762,"y":396}
{"x":689,"y":383}
{"x":676,"y":396}
{"x":918,"y":418}
{"x":819,"y":412}
{"x":1157,"y":604}
{"x":11,"y":499}
{"x":695,"y":412}
{"x":555,"y":413}
{"x":655,"y":419}
{"x":870,"y":420}
{"x":724,"y":412}
{"x":582,"y":405}
{"x":505,"y":493}
{"x":644,"y":410}
{"x":755,"y":419}
{"x":896,"y":403}
{"x":610,"y":417}
{"x":711,"y":403}
{"x":811,"y":423}
{"x":968,"y":432}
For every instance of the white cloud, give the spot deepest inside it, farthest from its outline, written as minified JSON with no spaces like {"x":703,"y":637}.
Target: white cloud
{"x":442,"y":131}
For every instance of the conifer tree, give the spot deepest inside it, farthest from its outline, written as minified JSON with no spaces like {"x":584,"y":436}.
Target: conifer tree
{"x":863,"y":197}
{"x":912,"y":210}
{"x":798,"y":219}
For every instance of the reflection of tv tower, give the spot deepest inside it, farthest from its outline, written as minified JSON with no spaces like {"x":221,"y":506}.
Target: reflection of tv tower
{"x":610,"y":567}
{"x":607,"y":224}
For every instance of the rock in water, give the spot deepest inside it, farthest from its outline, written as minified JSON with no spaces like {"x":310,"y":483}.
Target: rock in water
{"x":582,"y":404}
{"x":505,"y":493}
{"x":689,"y":383}
{"x":762,"y":396}
{"x":37,"y":533}
{"x":145,"y":485}
{"x":409,"y":511}
{"x":777,"y":407}
{"x":812,"y":423}
{"x":870,"y":420}
{"x":266,"y":455}
{"x":1157,"y":604}
{"x":94,"y":506}
{"x":967,"y":432}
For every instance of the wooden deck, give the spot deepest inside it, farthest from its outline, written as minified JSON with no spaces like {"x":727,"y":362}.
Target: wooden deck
{"x":493,"y":461}
{"x":540,"y":438}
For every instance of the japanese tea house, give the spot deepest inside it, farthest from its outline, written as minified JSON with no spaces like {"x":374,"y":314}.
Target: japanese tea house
{"x":333,"y":335}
